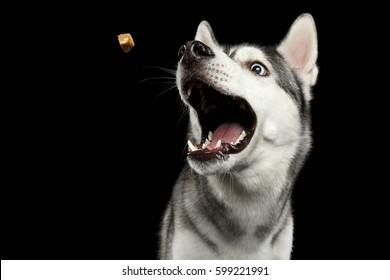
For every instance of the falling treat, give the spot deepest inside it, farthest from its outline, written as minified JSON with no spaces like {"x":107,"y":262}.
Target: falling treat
{"x":126,"y":42}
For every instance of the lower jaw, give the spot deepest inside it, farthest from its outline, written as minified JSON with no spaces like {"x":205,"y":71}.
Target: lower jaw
{"x":209,"y":167}
{"x":208,"y":157}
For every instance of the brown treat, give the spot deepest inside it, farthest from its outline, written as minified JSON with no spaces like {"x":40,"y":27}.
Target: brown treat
{"x":126,"y":42}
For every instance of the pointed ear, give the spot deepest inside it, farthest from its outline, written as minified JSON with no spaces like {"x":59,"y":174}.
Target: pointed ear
{"x":300,"y":49}
{"x":205,"y":34}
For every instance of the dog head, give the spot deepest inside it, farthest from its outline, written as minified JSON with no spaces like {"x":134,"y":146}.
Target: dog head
{"x":247,"y":103}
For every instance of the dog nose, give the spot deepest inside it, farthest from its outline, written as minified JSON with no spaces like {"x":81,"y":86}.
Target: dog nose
{"x":194,"y":50}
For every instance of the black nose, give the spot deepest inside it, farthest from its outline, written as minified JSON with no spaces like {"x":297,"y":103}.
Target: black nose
{"x":193,"y":50}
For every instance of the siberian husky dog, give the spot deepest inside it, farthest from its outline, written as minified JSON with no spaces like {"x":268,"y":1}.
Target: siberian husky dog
{"x":248,"y":136}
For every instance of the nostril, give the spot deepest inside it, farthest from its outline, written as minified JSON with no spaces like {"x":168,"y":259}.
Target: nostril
{"x":194,"y":50}
{"x":181,"y":51}
{"x":200,"y":49}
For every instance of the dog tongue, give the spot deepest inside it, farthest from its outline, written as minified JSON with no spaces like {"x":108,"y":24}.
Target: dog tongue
{"x":227,"y":133}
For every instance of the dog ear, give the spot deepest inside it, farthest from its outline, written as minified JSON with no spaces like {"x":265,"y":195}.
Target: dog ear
{"x":205,"y":34}
{"x":300,"y":49}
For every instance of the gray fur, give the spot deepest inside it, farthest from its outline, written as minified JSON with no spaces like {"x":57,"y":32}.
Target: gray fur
{"x":237,"y":204}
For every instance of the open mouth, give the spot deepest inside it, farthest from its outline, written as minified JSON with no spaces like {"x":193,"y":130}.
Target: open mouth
{"x":228,"y":122}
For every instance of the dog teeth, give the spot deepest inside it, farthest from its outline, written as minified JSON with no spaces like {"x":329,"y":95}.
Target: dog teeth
{"x":219,"y":143}
{"x":191,"y":147}
{"x":240,"y":138}
{"x":190,"y":89}
{"x":207,"y":142}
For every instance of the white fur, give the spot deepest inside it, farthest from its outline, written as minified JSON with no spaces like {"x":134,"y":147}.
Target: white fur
{"x":278,"y":116}
{"x":250,"y":181}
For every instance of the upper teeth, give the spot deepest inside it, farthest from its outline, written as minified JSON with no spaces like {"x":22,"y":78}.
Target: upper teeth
{"x":192,"y":148}
{"x":189,"y":90}
{"x":219,"y":143}
{"x":241,"y":137}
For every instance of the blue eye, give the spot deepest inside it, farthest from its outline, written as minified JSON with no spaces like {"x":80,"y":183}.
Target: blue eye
{"x":259,"y":69}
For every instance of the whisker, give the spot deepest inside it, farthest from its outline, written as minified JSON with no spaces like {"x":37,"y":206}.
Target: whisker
{"x":156,"y":78}
{"x":161,"y":93}
{"x":170,"y":71}
{"x":231,"y":184}
{"x":223,"y":177}
{"x":184,"y":114}
{"x":169,"y":81}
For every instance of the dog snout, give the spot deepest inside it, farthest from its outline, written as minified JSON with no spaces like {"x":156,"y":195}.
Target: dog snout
{"x":194,"y":50}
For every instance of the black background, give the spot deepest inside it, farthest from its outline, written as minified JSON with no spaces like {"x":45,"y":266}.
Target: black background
{"x":96,"y":139}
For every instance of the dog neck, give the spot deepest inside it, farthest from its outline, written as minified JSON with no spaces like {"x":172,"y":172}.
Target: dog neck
{"x":251,"y":197}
